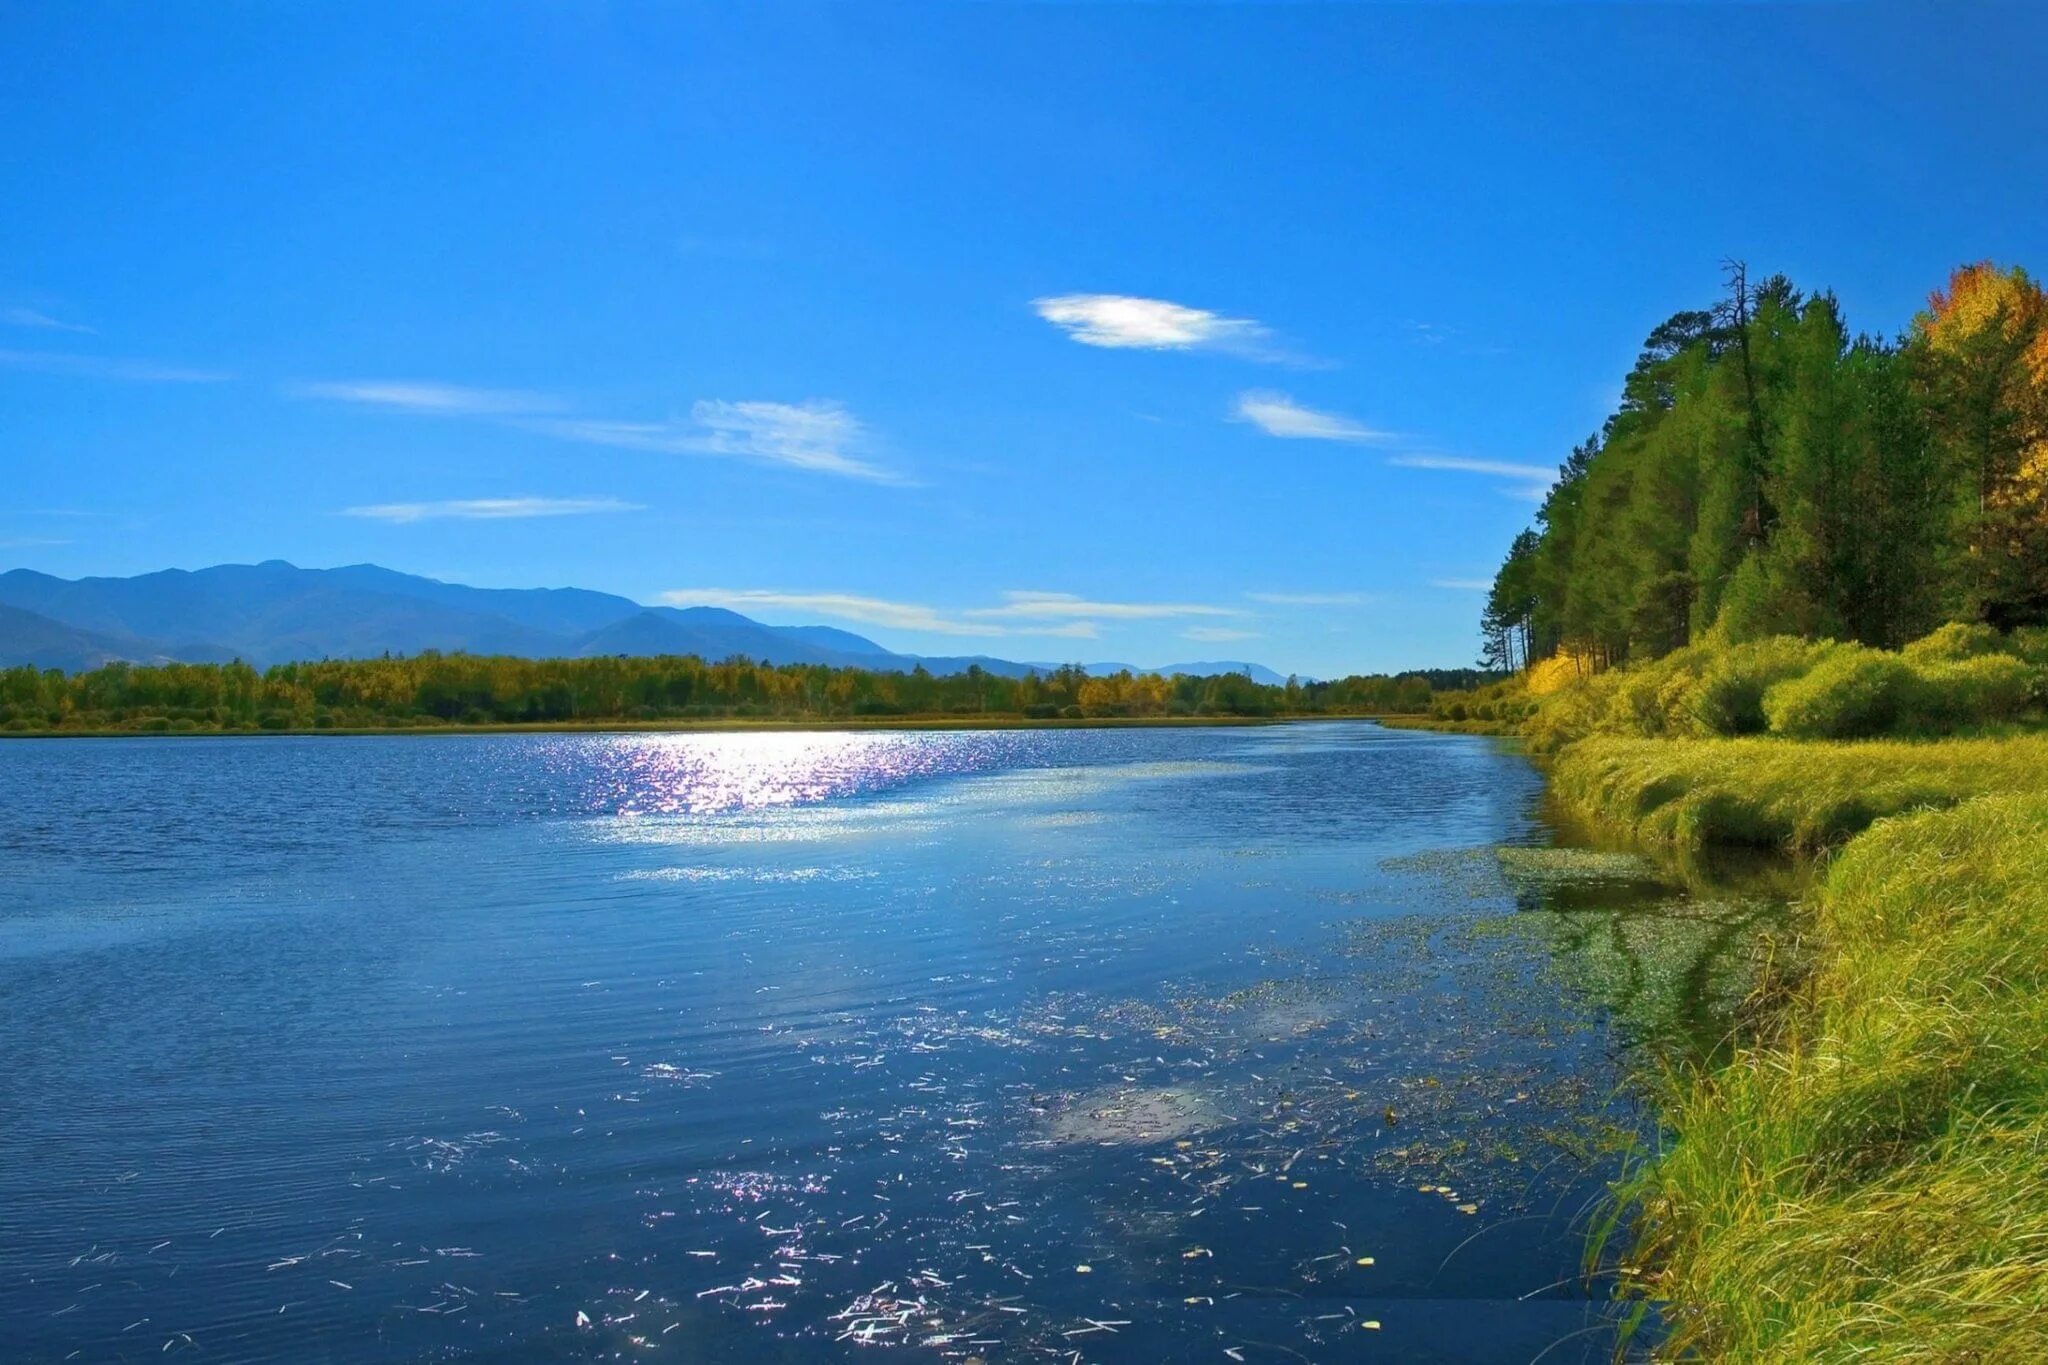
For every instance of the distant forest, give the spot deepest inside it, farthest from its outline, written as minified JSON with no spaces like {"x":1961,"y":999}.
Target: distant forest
{"x":458,"y":689}
{"x":1768,"y":473}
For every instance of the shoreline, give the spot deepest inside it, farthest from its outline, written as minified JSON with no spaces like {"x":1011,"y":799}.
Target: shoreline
{"x":721,"y":725}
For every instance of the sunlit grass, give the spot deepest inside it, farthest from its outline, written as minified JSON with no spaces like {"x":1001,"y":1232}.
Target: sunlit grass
{"x":1869,"y":1182}
{"x":1792,"y":794}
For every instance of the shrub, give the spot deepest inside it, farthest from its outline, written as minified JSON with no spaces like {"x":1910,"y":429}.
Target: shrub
{"x":2029,"y":643}
{"x":1571,"y":713}
{"x":1729,"y":697}
{"x":1953,"y":643}
{"x":1644,"y":696}
{"x":1983,"y":690}
{"x":1851,"y":693}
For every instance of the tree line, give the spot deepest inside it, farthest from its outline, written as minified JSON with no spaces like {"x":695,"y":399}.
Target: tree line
{"x":434,"y":689}
{"x":1767,"y":473}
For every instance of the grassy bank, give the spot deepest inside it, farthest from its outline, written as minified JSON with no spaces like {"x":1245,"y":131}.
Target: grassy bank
{"x":1865,"y":1176}
{"x":1803,"y":796}
{"x":1865,"y":1180}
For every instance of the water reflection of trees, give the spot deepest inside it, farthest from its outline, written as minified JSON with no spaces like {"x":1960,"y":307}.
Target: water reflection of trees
{"x":1667,"y":952}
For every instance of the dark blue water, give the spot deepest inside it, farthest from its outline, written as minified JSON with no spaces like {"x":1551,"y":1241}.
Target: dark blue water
{"x":1095,"y":1045}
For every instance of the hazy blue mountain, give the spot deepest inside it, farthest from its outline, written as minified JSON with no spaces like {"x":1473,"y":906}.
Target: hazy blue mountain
{"x":1258,"y":673}
{"x":29,"y":638}
{"x":713,"y":633}
{"x":834,"y":639}
{"x":558,"y":611}
{"x":275,"y":612}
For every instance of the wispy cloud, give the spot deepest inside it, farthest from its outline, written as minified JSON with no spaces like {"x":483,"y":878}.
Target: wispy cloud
{"x":29,"y":317}
{"x":1036,"y":614}
{"x":95,"y":367}
{"x":489,"y":509}
{"x":424,"y":396}
{"x":1530,"y":481}
{"x":818,"y":436}
{"x":1463,"y":584}
{"x":1310,"y":599}
{"x":1053,"y":606}
{"x":29,"y":542}
{"x":1502,"y":468}
{"x":845,"y":606}
{"x":1124,"y":322}
{"x":1276,"y":414}
{"x":1218,"y":634}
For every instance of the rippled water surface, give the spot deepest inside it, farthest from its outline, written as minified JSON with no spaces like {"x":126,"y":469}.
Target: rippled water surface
{"x":1080,"y":1045}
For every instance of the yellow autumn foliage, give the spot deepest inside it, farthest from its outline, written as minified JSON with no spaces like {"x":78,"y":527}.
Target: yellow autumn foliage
{"x":1557,"y":671}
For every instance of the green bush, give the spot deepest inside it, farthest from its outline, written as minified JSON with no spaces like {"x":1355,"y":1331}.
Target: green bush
{"x":1729,"y":697}
{"x":1650,"y":699}
{"x":1953,"y":643}
{"x":1851,"y":693}
{"x":1571,"y":713}
{"x":2029,"y":643}
{"x":1984,"y":690}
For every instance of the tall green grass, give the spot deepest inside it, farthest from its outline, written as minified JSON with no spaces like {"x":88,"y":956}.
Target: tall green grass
{"x":1797,"y":795}
{"x":1870,"y":1181}
{"x":1867,"y":1179}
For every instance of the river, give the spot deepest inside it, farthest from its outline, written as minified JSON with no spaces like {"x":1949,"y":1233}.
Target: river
{"x":1284,"y":1043}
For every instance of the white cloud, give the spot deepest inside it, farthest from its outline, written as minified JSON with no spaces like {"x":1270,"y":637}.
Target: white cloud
{"x":814,"y":435}
{"x":1121,"y":322}
{"x":1463,"y":584}
{"x":29,"y":317}
{"x":1218,"y":634}
{"x":1035,"y":614}
{"x":93,"y":367}
{"x":422,"y":396}
{"x":1532,"y":481}
{"x":817,"y":436}
{"x":875,"y":611}
{"x":1458,"y":462}
{"x":488,"y":509}
{"x":1276,"y":414}
{"x":1310,"y":599}
{"x":1053,"y":606}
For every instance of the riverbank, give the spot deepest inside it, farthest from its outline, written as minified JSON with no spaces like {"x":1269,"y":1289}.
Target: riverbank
{"x":1861,"y":1176}
{"x":703,"y":725}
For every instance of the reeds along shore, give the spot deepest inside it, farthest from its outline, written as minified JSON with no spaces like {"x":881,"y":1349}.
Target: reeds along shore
{"x":1867,"y":1178}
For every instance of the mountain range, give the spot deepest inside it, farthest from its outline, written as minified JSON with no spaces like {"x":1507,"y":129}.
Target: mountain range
{"x":276,"y":612}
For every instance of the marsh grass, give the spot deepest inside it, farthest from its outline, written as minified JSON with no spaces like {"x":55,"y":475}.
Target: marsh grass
{"x":1868,"y":1180}
{"x":1779,"y":793}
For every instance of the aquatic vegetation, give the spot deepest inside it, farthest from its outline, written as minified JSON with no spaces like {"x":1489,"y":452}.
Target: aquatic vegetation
{"x":1135,"y":1116}
{"x":1540,"y":868}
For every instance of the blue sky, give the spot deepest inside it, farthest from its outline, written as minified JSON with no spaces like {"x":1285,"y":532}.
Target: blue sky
{"x":1065,"y":332}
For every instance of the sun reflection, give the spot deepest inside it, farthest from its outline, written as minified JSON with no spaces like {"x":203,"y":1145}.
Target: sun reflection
{"x":712,"y":773}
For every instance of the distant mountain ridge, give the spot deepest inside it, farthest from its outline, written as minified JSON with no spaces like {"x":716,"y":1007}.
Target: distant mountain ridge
{"x":275,"y":612}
